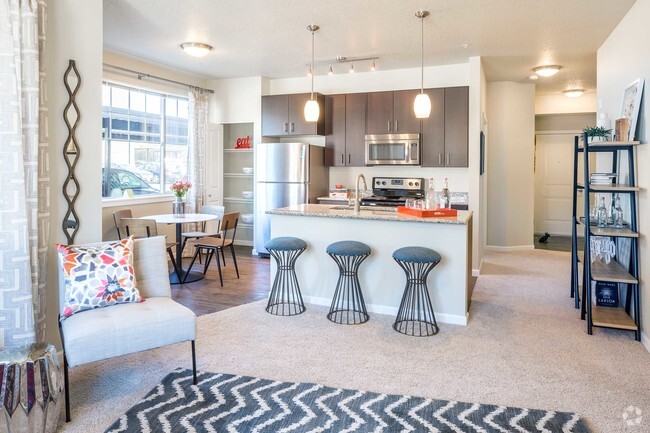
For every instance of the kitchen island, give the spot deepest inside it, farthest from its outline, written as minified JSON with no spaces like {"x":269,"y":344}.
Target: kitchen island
{"x":384,"y":231}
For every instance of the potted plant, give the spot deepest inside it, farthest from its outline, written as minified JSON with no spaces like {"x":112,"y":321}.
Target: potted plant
{"x":597,"y":133}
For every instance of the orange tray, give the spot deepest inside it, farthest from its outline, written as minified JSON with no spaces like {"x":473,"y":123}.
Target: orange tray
{"x":428,"y":213}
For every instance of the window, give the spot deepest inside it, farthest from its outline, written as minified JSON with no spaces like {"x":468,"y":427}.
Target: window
{"x":144,"y":141}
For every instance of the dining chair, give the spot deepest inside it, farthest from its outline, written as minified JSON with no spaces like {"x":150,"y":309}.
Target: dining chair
{"x":145,"y":228}
{"x":202,"y":233}
{"x":216,"y":245}
{"x":118,"y":216}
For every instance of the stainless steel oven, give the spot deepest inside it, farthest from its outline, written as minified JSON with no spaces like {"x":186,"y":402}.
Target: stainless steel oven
{"x":393,"y":149}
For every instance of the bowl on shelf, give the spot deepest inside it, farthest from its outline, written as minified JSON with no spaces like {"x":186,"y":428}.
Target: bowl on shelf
{"x":247,"y":170}
{"x":247,"y":194}
{"x":246,"y":218}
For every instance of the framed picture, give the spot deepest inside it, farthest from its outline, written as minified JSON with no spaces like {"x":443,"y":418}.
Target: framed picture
{"x":631,"y":106}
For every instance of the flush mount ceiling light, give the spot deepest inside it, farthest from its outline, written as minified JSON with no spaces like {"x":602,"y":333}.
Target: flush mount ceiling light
{"x":422,"y":103}
{"x":196,"y":49}
{"x":547,"y":71}
{"x":574,"y":93}
{"x":312,"y":110}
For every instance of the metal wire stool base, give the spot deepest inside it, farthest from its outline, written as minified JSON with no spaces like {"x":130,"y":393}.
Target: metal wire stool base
{"x":285,"y":298}
{"x":415,"y":316}
{"x":348,"y":306}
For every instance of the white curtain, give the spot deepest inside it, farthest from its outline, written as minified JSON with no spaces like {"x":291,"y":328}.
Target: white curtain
{"x":198,"y":133}
{"x":24,"y":172}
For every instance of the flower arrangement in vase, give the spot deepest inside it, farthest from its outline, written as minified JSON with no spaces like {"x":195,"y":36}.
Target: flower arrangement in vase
{"x":180,"y":188}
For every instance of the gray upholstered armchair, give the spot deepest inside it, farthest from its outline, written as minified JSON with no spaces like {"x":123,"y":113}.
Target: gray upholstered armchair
{"x":107,"y":332}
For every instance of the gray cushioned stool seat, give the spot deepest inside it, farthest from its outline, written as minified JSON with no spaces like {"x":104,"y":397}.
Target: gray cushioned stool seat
{"x":348,"y":248}
{"x":417,"y":255}
{"x":286,"y":244}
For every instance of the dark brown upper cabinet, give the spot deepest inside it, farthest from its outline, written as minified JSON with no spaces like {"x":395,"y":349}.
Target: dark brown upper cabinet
{"x":284,"y":115}
{"x":456,"y":126}
{"x":445,"y":133}
{"x":433,"y":131}
{"x":392,"y":113}
{"x":345,"y":141}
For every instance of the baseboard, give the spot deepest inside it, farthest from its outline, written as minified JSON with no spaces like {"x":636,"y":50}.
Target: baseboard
{"x":451,"y":319}
{"x":510,"y":248}
{"x":645,"y":341}
{"x":476,"y":272}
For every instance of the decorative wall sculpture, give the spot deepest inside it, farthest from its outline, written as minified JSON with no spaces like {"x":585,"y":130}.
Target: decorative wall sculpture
{"x":71,"y":116}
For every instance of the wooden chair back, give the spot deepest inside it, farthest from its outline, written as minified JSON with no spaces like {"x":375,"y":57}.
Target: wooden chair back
{"x":118,"y":216}
{"x":140,"y":228}
{"x":229,"y":223}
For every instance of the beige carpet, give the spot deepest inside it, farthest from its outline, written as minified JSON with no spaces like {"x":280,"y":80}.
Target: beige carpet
{"x":525,"y":346}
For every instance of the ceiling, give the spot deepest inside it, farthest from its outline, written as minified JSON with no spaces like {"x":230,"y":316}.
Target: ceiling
{"x":269,"y":37}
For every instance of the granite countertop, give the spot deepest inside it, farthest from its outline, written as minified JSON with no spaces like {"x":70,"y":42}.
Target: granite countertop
{"x":366,"y":213}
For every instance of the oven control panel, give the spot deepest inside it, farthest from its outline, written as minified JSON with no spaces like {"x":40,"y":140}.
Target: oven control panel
{"x":398,"y":183}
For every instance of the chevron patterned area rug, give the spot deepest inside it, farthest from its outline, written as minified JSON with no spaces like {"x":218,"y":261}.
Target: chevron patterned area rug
{"x":230,"y":403}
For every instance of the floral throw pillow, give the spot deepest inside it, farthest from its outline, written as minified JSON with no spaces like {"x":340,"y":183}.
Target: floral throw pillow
{"x":98,"y":276}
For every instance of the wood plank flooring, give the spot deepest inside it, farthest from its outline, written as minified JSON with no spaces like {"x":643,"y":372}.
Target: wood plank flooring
{"x":207,"y":296}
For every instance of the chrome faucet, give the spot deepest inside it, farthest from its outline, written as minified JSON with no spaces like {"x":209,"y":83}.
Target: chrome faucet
{"x":357,"y":197}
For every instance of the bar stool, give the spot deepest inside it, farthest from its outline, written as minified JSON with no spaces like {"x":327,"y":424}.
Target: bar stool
{"x":348,"y":306}
{"x":285,"y":298}
{"x":416,"y":309}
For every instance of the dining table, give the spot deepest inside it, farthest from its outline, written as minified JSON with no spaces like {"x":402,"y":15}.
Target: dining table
{"x":181,"y":275}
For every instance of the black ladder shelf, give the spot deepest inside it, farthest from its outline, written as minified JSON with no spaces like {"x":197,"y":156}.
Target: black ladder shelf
{"x":628,"y":317}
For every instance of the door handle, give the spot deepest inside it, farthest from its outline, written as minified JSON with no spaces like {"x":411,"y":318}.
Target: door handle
{"x":447,"y":163}
{"x":284,"y":127}
{"x":396,"y":126}
{"x":342,"y":158}
{"x":291,"y":126}
{"x":389,"y":126}
{"x":440,"y":159}
{"x":349,"y":158}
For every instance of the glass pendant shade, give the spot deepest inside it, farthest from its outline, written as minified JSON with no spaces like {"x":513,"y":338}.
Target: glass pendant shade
{"x":312,"y":111}
{"x":422,"y":106}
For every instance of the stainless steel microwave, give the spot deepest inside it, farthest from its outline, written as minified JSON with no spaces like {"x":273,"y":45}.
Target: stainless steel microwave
{"x":393,"y":149}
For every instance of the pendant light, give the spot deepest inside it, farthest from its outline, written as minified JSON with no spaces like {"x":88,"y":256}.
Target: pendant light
{"x":312,"y":110}
{"x":422,"y":103}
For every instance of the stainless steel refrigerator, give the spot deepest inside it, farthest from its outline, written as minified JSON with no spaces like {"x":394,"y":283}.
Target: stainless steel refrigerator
{"x":287,"y":174}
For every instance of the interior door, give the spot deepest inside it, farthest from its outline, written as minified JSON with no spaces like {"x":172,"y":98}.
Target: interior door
{"x":214,"y":166}
{"x":554,"y":183}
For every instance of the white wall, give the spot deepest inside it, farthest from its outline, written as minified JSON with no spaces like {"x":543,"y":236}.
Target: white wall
{"x":621,"y":60}
{"x":557,"y":103}
{"x":511,"y":113}
{"x":74,"y":31}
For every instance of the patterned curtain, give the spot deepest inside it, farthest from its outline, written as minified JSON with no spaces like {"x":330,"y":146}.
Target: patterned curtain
{"x":198,"y":133}
{"x":24,"y":172}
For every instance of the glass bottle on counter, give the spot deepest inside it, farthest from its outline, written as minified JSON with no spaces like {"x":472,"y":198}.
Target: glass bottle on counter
{"x":431,"y":202}
{"x":445,"y":195}
{"x":618,"y":213}
{"x":612,"y":209}
{"x":602,"y":213}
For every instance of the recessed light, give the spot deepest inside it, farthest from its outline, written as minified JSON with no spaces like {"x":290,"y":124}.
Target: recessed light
{"x":533,"y":77}
{"x":574,"y":93}
{"x":196,"y":49}
{"x":547,"y":71}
